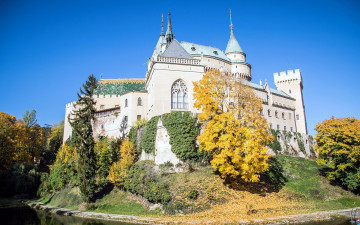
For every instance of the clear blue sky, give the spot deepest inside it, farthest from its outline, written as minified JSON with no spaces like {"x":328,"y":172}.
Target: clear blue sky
{"x":48,"y":48}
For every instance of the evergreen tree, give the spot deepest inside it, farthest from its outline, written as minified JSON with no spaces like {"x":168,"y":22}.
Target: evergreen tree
{"x":83,"y":116}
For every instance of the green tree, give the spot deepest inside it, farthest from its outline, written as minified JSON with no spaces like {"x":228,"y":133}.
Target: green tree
{"x":83,"y":116}
{"x":29,"y":118}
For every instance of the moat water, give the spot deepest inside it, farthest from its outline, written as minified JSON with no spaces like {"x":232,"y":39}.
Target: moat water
{"x":23,"y":215}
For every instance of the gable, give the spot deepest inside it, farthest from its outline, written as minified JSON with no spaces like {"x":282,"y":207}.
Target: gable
{"x":175,"y":50}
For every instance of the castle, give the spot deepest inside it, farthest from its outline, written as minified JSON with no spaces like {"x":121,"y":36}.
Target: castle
{"x":168,"y":86}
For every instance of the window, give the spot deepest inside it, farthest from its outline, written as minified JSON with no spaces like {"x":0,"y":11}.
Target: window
{"x":278,"y":127}
{"x":291,"y":129}
{"x":126,"y":118}
{"x":276,"y":114}
{"x":270,"y":125}
{"x":179,"y":95}
{"x":126,"y":103}
{"x":297,"y":116}
{"x":102,"y":126}
{"x":283,"y":115}
{"x":193,"y":48}
{"x":284,"y":127}
{"x":102,"y":106}
{"x":139,"y":101}
{"x":116,"y":105}
{"x":289,"y":91}
{"x":215,"y":52}
{"x":269,"y":112}
{"x":138,"y":117}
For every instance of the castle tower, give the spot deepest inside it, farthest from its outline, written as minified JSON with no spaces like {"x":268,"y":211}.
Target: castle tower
{"x":234,"y":52}
{"x":291,"y":83}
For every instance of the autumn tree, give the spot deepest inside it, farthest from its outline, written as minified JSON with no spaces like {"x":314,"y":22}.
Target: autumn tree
{"x":55,"y":140}
{"x":18,"y":143}
{"x":233,"y":128}
{"x":338,"y":147}
{"x":81,"y":122}
{"x":120,"y":169}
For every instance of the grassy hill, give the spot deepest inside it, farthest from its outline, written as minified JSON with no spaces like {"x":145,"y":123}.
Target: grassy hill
{"x":201,"y":194}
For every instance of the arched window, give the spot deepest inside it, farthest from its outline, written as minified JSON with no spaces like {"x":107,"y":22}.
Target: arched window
{"x":179,"y":95}
{"x":276,"y":115}
{"x":139,"y":101}
{"x":283,"y":115}
{"x":126,"y":103}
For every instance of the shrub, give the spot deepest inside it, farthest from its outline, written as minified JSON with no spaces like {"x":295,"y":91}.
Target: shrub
{"x":45,"y":185}
{"x":193,"y":194}
{"x":157,"y":192}
{"x":21,"y":179}
{"x":135,"y":183}
{"x":144,"y":181}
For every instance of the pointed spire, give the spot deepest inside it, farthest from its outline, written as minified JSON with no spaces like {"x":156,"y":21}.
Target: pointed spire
{"x":233,"y":44}
{"x":231,"y":24}
{"x":162,"y":25}
{"x":169,"y":35}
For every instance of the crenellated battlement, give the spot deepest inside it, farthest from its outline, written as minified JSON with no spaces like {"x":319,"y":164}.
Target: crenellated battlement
{"x":290,"y":75}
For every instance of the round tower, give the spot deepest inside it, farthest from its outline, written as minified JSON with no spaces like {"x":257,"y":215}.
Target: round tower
{"x":239,"y":67}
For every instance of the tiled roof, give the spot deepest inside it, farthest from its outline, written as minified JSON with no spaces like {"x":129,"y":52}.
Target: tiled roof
{"x":119,"y":86}
{"x":175,"y":50}
{"x":195,"y":49}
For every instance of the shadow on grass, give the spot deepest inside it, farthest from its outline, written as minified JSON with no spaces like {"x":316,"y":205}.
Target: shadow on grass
{"x":103,"y":191}
{"x":271,"y":181}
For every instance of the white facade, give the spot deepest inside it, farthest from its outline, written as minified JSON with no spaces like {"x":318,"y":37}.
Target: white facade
{"x":168,"y":86}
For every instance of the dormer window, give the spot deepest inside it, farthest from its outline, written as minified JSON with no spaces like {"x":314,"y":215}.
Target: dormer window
{"x":215,"y":52}
{"x":193,"y":48}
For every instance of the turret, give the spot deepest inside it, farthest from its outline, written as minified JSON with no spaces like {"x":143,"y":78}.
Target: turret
{"x":291,"y":83}
{"x":234,"y":52}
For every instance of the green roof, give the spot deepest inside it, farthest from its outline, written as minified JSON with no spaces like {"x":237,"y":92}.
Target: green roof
{"x":119,"y":86}
{"x":195,"y":49}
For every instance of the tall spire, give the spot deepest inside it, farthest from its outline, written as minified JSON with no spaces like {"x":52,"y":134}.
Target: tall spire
{"x":169,"y":35}
{"x":162,"y":25}
{"x":233,"y":44}
{"x":231,"y":25}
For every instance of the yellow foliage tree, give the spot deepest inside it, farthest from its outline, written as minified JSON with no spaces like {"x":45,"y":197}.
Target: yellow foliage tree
{"x":233,"y":128}
{"x":119,"y":170}
{"x":18,"y":143}
{"x":338,"y":146}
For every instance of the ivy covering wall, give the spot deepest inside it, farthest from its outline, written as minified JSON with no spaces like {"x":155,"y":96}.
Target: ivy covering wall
{"x":275,"y":144}
{"x":148,"y":141}
{"x":183,"y":130}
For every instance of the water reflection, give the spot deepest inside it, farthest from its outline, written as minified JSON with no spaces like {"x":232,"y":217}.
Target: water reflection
{"x":23,"y":215}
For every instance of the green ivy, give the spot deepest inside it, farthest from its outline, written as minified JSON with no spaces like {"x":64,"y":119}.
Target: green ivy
{"x":300,"y":142}
{"x":275,"y":144}
{"x":183,"y":130}
{"x":132,"y":135}
{"x":148,"y":140}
